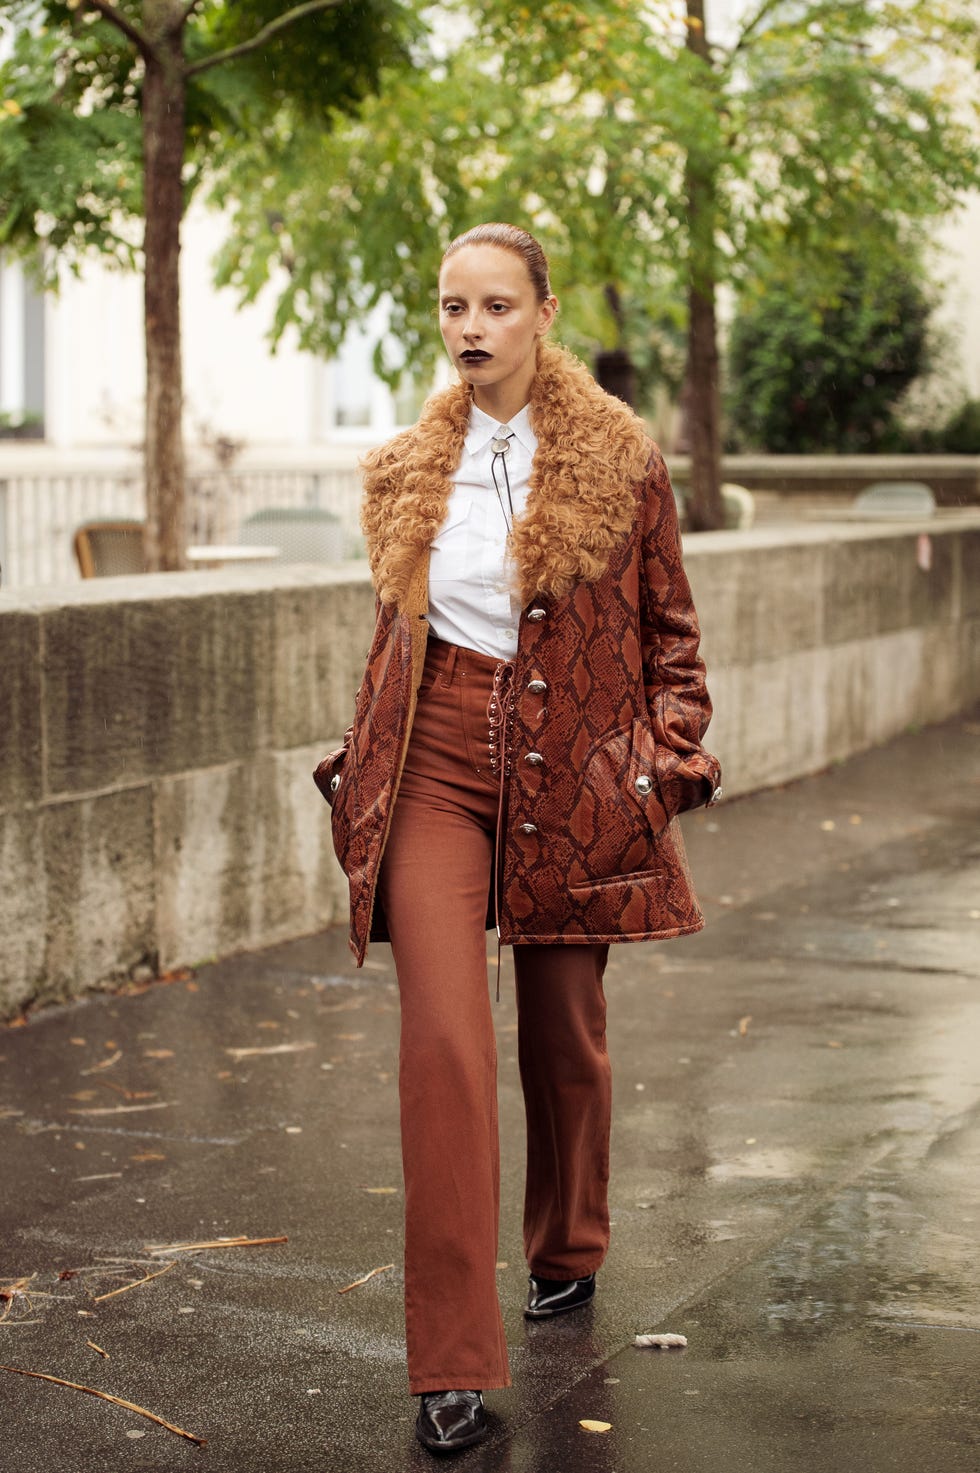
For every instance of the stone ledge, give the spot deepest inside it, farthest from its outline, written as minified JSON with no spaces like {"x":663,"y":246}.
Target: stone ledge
{"x":159,"y":733}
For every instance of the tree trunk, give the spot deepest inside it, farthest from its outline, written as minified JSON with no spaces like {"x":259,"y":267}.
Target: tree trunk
{"x":163,"y":161}
{"x":702,"y":408}
{"x":702,"y":398}
{"x":616,"y":373}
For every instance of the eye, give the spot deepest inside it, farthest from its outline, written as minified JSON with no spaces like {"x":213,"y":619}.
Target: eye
{"x":452,"y":309}
{"x":498,"y":307}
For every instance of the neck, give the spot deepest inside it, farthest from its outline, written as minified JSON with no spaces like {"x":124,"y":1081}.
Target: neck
{"x":503,"y":401}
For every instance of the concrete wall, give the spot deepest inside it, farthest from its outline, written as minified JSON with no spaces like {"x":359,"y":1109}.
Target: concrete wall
{"x":157,"y":734}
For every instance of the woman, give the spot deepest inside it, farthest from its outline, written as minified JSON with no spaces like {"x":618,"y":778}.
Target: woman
{"x":528,"y":727}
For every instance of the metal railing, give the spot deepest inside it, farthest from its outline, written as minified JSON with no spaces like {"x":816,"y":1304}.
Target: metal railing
{"x":39,"y":513}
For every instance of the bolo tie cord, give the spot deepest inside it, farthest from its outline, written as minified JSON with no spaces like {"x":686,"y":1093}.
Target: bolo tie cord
{"x":500,"y":445}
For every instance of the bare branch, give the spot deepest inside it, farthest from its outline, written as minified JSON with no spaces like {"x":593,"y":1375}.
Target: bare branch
{"x":299,"y":12}
{"x":116,"y":18}
{"x":765,"y":8}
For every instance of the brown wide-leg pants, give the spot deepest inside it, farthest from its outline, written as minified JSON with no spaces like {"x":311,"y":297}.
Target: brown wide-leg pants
{"x":434,"y":885}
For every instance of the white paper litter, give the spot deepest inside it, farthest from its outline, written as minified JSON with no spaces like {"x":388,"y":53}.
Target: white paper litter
{"x":661,"y":1342}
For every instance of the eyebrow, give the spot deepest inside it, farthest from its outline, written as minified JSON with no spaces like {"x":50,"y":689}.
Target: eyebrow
{"x":502,"y":296}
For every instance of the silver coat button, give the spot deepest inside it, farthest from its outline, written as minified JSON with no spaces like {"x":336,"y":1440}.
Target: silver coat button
{"x":534,"y":759}
{"x":537,"y":686}
{"x":528,"y":828}
{"x":644,"y":785}
{"x":335,"y":782}
{"x":535,"y":616}
{"x":716,"y":795}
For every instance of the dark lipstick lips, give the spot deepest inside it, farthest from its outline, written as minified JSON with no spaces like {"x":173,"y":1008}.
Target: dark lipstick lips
{"x":475,"y":355}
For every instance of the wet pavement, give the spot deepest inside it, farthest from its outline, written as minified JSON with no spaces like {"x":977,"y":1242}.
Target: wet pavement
{"x":796,"y":1181}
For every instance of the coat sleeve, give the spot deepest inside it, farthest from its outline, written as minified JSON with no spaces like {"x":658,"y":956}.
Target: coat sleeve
{"x":673,"y":671}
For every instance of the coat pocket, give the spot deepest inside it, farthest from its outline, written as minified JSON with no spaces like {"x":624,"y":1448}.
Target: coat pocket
{"x":619,"y":812}
{"x":335,"y":777}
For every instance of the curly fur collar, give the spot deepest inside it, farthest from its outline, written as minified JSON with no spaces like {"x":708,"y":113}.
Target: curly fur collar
{"x":592,"y":451}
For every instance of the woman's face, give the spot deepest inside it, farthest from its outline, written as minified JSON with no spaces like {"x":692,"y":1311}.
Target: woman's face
{"x":491,"y":321}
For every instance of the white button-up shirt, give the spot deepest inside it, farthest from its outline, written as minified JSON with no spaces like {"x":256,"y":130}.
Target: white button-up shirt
{"x":472,"y":598}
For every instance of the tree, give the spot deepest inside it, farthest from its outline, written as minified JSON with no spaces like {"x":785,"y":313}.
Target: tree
{"x":814,"y":371}
{"x":114,"y":111}
{"x":657,"y":161}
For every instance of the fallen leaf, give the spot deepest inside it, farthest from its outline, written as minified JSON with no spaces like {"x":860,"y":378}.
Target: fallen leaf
{"x":661,"y":1342}
{"x":351,"y":1037}
{"x":380,"y":1191}
{"x":158,"y":1053}
{"x":828,"y":825}
{"x":743,"y":1025}
{"x":148,"y":1156}
{"x":588,"y":1425}
{"x":268,"y":1023}
{"x":78,"y":1042}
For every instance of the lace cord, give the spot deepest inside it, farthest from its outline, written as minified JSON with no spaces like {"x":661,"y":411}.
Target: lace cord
{"x":499,"y":708}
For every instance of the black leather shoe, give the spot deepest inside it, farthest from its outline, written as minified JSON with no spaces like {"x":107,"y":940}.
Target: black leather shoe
{"x":547,"y":1297}
{"x":450,"y":1420}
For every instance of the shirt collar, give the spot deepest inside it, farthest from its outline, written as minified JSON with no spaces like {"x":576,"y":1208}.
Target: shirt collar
{"x":483,"y":427}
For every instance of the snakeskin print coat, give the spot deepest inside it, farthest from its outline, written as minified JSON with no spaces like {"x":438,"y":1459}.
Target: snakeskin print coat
{"x":609,"y":704}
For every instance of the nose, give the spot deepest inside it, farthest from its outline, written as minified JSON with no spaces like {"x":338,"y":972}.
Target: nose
{"x":472,"y":329}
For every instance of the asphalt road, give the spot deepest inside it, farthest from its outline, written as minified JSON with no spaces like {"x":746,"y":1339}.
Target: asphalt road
{"x":796,"y":1182}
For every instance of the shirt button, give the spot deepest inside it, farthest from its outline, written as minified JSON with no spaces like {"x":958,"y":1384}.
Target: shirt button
{"x":510,"y":634}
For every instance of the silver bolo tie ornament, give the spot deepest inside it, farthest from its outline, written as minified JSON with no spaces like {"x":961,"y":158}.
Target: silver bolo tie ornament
{"x":500,"y":445}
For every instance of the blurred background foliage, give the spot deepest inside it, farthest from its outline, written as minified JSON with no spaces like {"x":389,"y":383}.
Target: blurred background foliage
{"x":348,"y":151}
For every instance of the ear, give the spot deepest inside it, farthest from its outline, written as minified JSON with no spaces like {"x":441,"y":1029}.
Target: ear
{"x":547,"y":312}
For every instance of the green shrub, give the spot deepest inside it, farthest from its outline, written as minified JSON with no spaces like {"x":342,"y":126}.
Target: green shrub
{"x":817,"y":372}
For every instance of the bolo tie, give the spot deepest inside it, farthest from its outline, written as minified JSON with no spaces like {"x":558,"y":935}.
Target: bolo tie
{"x":500,"y":445}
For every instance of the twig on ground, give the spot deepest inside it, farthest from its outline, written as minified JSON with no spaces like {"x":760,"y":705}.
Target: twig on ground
{"x":98,"y":1349}
{"x":135,"y":1284}
{"x":104,"y":1063}
{"x":157,"y":1249}
{"x":107,"y":1396}
{"x":276,"y":1048}
{"x":358,"y":1282}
